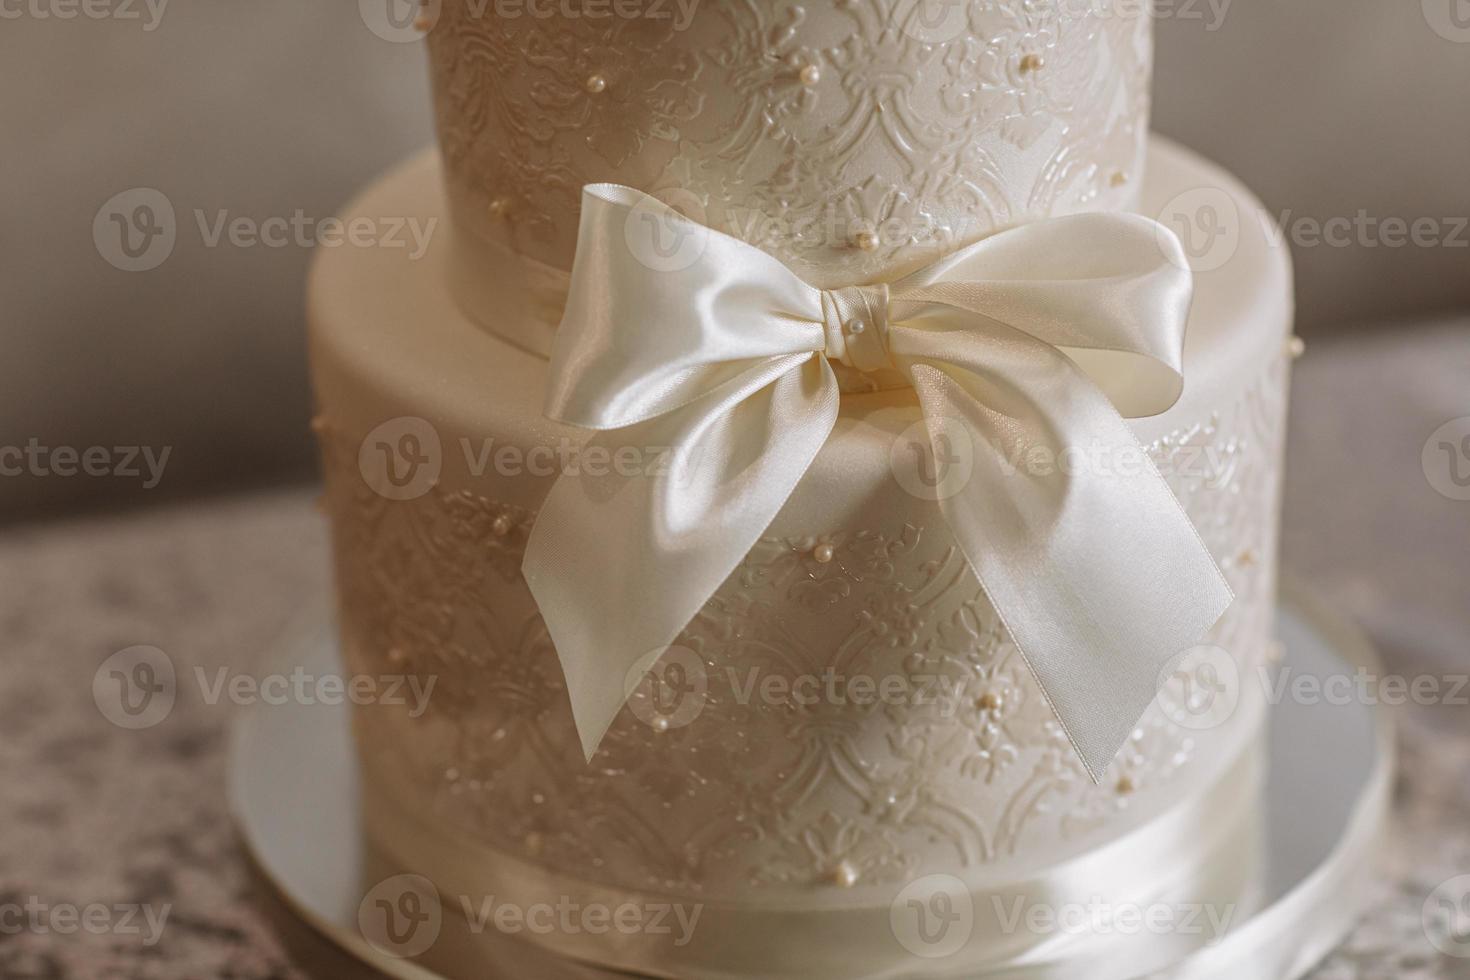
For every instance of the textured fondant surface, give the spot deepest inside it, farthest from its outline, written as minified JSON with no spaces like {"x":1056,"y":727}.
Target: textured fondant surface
{"x":799,"y":127}
{"x":747,"y":795}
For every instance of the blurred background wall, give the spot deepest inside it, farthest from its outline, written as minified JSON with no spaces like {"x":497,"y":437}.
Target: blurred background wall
{"x":1333,"y":110}
{"x":1329,"y":109}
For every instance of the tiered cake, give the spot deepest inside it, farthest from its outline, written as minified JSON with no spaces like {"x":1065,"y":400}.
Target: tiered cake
{"x":846,"y":723}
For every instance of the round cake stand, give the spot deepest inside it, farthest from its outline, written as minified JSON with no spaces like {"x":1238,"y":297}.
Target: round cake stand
{"x":293,"y":785}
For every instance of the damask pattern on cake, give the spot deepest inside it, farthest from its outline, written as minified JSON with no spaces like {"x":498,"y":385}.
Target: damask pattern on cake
{"x":846,"y":710}
{"x":852,"y":140}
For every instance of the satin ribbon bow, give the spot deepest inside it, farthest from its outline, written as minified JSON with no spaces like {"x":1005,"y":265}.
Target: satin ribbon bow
{"x":1034,"y":344}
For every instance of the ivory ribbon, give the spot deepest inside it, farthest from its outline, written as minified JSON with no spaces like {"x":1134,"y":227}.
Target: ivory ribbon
{"x":1201,"y":857}
{"x":1033,"y":344}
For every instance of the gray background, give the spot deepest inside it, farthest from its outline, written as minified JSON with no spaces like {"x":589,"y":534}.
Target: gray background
{"x":1325,"y":107}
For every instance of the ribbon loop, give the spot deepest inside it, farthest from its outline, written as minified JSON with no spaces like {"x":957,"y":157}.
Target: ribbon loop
{"x":1038,"y":340}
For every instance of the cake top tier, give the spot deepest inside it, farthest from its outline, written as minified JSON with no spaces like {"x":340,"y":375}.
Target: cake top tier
{"x":853,"y":139}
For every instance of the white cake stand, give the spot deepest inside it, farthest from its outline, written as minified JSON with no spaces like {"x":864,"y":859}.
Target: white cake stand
{"x":293,"y":784}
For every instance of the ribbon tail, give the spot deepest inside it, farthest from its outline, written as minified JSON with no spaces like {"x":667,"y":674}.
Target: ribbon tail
{"x":1077,"y":540}
{"x":619,"y":563}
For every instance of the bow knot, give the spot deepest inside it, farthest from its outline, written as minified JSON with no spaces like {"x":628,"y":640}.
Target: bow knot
{"x":855,"y":324}
{"x":1036,"y":342}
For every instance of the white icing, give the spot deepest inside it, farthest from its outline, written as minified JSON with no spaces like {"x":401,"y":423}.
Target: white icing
{"x":431,"y":584}
{"x":804,"y":128}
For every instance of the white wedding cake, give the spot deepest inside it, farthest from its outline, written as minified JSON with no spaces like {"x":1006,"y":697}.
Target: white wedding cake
{"x":810,"y":661}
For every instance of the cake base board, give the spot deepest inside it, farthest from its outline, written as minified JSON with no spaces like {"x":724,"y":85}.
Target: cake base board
{"x":294,"y":794}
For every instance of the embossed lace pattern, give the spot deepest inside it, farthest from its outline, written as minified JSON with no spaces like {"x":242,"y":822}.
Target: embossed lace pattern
{"x":796,"y":127}
{"x":755,"y":757}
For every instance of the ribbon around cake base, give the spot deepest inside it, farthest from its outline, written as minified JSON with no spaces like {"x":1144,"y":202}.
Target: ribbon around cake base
{"x":1035,"y":343}
{"x":1202,"y":858}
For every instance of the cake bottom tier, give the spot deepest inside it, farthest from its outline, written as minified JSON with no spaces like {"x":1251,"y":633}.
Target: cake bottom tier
{"x":845,"y":730}
{"x":1128,"y":910}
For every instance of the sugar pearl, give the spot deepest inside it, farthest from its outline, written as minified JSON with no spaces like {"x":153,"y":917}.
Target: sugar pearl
{"x":810,"y":75}
{"x":866,"y":240}
{"x":500,"y":527}
{"x":845,"y":875}
{"x":1125,"y":785}
{"x":1296,"y":347}
{"x":1032,"y":62}
{"x":823,"y":553}
{"x":596,"y":84}
{"x":991,"y":701}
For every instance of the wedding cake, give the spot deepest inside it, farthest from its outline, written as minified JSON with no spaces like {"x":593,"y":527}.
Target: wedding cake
{"x":827,"y":462}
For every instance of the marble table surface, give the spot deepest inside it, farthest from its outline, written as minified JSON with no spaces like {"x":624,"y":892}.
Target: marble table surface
{"x":95,"y":815}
